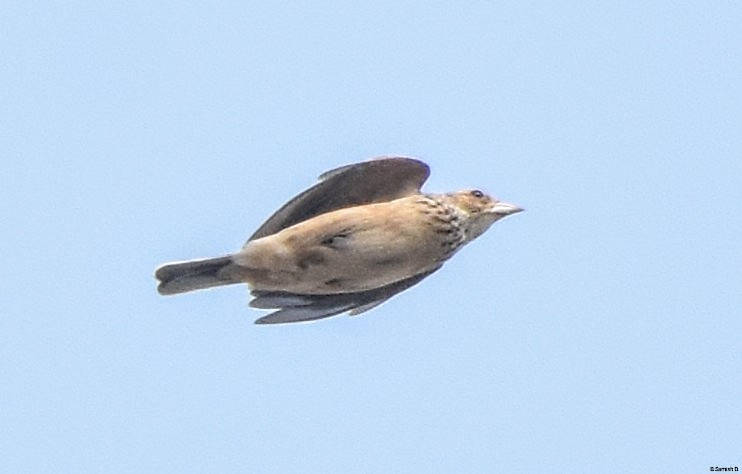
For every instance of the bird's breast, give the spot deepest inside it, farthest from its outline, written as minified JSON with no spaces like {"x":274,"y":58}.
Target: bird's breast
{"x":353,"y":249}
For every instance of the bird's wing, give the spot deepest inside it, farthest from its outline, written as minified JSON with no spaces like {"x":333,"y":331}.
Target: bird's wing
{"x":379,"y":180}
{"x":296,"y":308}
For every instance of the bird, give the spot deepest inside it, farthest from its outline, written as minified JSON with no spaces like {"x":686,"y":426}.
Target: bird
{"x":359,"y":236}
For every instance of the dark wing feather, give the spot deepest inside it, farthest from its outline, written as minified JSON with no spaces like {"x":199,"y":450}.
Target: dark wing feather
{"x":378,"y":180}
{"x":297,"y":308}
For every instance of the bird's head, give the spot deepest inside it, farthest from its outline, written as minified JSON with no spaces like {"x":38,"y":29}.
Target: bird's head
{"x":479,"y":210}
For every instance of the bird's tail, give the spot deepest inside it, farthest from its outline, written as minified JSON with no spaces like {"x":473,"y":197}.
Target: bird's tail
{"x":196,"y":275}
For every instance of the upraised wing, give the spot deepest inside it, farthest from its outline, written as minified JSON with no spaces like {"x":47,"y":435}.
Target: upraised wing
{"x":378,"y":180}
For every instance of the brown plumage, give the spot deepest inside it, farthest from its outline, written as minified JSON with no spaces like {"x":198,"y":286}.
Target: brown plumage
{"x":362,"y":234}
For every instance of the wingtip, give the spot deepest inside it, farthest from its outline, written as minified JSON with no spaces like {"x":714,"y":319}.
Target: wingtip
{"x":164,"y":290}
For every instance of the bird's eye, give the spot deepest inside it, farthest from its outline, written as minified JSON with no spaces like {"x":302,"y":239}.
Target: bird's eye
{"x":477,"y":194}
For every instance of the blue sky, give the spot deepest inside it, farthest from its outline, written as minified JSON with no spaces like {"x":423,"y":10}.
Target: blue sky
{"x":597,"y":332}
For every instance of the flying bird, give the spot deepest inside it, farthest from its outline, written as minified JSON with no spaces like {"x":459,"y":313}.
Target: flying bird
{"x":362,"y":234}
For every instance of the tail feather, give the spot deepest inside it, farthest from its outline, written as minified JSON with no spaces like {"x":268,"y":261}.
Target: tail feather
{"x":196,"y":275}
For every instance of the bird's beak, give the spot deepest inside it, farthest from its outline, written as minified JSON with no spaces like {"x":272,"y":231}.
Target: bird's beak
{"x":505,"y":209}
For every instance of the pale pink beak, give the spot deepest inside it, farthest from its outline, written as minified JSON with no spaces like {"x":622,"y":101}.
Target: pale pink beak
{"x":505,"y":209}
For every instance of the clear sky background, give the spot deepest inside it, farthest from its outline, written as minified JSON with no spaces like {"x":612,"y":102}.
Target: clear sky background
{"x":600,"y":331}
